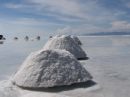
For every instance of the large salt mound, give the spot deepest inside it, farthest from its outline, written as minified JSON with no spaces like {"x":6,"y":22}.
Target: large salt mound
{"x":48,"y":68}
{"x":66,"y":43}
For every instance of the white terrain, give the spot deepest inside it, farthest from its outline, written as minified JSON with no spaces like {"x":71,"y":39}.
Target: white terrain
{"x":109,"y":64}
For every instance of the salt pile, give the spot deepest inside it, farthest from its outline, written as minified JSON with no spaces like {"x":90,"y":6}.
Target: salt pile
{"x":66,"y":43}
{"x":49,"y":68}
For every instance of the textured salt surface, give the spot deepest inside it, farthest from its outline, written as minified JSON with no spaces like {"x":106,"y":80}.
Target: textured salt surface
{"x":48,"y":68}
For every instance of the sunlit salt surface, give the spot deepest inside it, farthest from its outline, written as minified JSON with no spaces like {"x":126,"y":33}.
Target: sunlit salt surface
{"x":109,"y":64}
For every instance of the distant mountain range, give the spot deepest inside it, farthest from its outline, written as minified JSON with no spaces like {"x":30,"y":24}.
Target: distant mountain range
{"x":107,"y":33}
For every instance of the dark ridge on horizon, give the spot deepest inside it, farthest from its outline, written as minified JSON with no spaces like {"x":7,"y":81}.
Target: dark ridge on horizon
{"x":107,"y":33}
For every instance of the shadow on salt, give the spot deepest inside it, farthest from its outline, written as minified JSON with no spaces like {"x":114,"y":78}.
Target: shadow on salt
{"x":56,"y":89}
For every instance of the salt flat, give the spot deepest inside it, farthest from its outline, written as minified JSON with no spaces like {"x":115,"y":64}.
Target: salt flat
{"x":109,"y":64}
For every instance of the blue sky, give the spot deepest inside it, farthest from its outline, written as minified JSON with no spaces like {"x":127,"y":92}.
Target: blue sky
{"x":64,"y":16}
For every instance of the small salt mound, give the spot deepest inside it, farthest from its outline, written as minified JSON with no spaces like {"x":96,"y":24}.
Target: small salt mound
{"x":66,"y":43}
{"x":49,"y":68}
{"x":76,"y":39}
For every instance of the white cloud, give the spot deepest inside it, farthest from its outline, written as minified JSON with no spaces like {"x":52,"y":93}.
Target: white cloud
{"x":66,"y":10}
{"x":116,"y":26}
{"x":120,"y":26}
{"x":65,"y":30}
{"x":27,"y":25}
{"x":77,"y":30}
{"x":30,"y":22}
{"x":126,"y":3}
{"x":15,"y":6}
{"x":27,"y":21}
{"x":67,"y":7}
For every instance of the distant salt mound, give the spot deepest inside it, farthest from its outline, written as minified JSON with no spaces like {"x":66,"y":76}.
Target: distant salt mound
{"x":77,"y":40}
{"x":49,"y":68}
{"x":66,"y":43}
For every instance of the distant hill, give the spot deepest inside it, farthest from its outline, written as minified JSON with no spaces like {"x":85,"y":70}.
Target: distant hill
{"x":107,"y":33}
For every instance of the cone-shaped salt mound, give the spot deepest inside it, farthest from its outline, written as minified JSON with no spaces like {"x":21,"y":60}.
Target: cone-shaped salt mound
{"x":50,"y":68}
{"x":76,"y":39}
{"x":66,"y":43}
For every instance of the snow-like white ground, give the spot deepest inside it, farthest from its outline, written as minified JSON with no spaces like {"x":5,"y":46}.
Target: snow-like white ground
{"x":109,"y":64}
